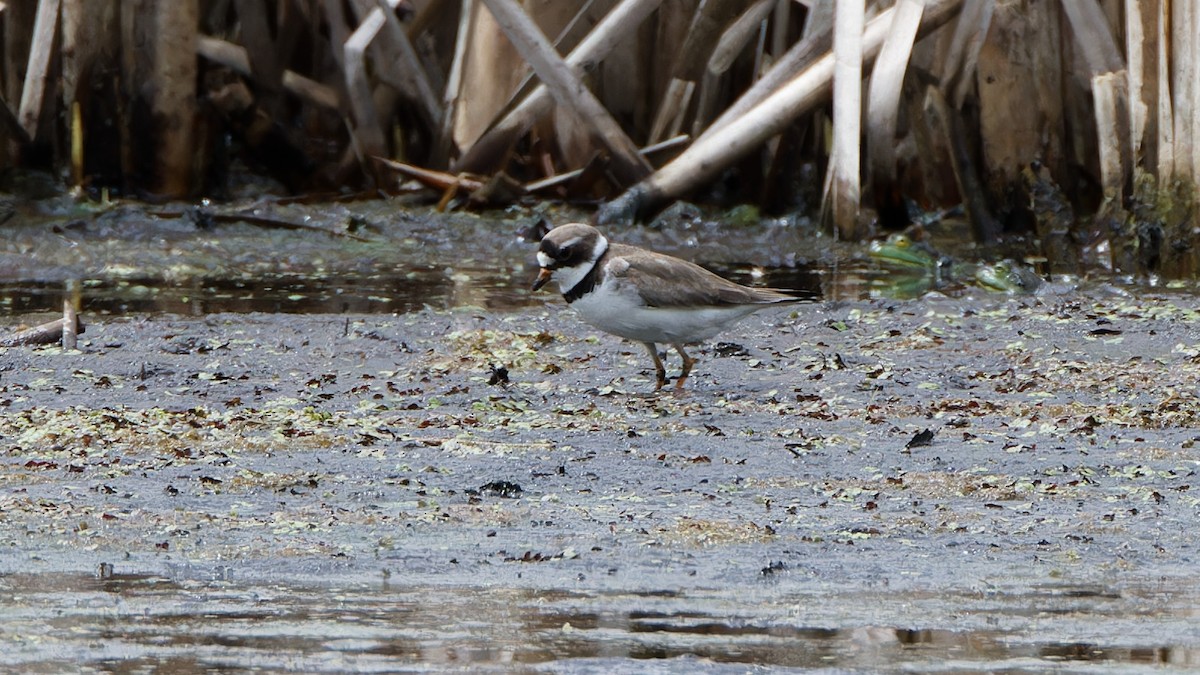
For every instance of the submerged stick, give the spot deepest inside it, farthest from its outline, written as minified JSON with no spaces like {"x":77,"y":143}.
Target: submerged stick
{"x":44,"y":334}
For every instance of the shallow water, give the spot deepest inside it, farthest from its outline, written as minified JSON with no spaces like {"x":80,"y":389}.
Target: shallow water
{"x":130,"y":623}
{"x":130,"y":261}
{"x":436,"y":287}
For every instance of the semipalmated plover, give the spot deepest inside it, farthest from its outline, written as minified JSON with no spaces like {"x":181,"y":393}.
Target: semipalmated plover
{"x":642,"y":295}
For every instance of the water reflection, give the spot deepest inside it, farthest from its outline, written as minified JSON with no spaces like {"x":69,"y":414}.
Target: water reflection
{"x":400,"y":291}
{"x":132,"y":623}
{"x":403,"y":292}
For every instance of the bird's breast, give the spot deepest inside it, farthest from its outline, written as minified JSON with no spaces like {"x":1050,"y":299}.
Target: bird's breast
{"x":621,"y":311}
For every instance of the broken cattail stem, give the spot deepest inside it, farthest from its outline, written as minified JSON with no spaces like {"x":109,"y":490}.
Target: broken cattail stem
{"x":70,"y":320}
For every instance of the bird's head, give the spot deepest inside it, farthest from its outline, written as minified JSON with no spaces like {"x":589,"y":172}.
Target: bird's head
{"x":567,"y":253}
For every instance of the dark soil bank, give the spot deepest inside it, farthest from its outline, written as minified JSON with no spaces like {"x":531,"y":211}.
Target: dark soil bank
{"x":474,"y":489}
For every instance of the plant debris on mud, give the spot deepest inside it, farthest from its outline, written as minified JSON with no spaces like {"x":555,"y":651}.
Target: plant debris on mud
{"x":1048,"y":437}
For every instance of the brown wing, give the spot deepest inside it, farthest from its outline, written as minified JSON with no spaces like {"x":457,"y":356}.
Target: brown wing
{"x":664,"y":281}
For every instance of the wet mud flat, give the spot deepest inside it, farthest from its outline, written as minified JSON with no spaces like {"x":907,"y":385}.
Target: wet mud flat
{"x":473,"y":490}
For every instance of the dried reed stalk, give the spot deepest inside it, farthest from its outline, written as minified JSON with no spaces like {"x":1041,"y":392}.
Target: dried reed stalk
{"x":174,"y":98}
{"x":1019,"y":84}
{"x":235,"y":58}
{"x":707,"y":24}
{"x":568,"y":91}
{"x":845,"y":189}
{"x":1106,"y":72}
{"x":883,"y":97}
{"x":725,"y":143}
{"x":37,"y":73}
{"x":490,"y":149}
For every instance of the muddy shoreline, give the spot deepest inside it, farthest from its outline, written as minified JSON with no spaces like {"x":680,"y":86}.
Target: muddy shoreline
{"x":358,"y":451}
{"x":182,"y":474}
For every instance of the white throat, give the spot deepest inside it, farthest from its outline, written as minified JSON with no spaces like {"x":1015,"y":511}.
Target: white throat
{"x":568,"y":277}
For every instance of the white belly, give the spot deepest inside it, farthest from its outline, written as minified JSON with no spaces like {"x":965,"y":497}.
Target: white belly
{"x":625,"y":315}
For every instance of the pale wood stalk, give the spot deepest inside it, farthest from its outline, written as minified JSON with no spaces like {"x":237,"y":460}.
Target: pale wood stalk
{"x":368,"y":133}
{"x":235,"y":58}
{"x":714,"y":151}
{"x":1184,"y":87}
{"x":37,"y":72}
{"x":887,"y":83}
{"x":70,"y":320}
{"x":819,"y":20}
{"x":1093,"y":37}
{"x":450,"y":97}
{"x":670,"y":32}
{"x":962,"y":55}
{"x":417,"y":80}
{"x":1192,"y":37}
{"x":567,"y":89}
{"x":570,"y":36}
{"x":492,"y":70}
{"x":1165,"y":119}
{"x":817,"y":40}
{"x":1135,"y":44}
{"x":1112,"y":122}
{"x":705,"y":30}
{"x":733,"y":41}
{"x":1019,"y":80}
{"x":738,"y":35}
{"x":846,"y":188}
{"x":490,"y":148}
{"x":1106,"y":72}
{"x":174,"y":97}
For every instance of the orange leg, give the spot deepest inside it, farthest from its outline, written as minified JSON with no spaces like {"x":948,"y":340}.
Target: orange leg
{"x":659,"y":370}
{"x":688,"y":362}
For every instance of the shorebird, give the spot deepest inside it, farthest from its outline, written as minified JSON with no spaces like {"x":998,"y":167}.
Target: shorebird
{"x":645,"y":296}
